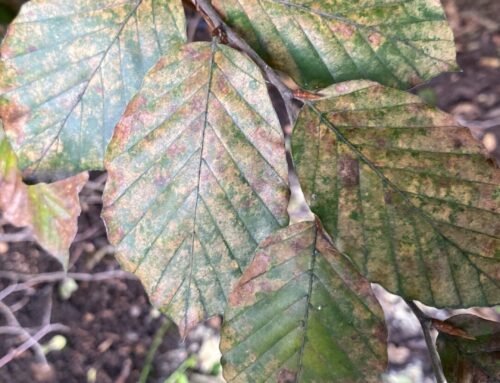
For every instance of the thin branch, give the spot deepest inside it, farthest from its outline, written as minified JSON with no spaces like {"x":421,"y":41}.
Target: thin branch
{"x":34,"y":279}
{"x":298,"y":210}
{"x":8,"y":290}
{"x":24,"y":235}
{"x":214,"y":19}
{"x":158,"y":338}
{"x":25,"y":336}
{"x":486,"y":124}
{"x":30,"y":280}
{"x":426,"y":324}
{"x":32,"y":342}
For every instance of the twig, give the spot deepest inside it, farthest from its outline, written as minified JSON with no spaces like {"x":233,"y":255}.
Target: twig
{"x":192,"y":26}
{"x":426,"y":323}
{"x":30,"y":280}
{"x":15,"y":307}
{"x":158,"y":338}
{"x":89,"y":233}
{"x":298,"y":210}
{"x":125,"y":372}
{"x":214,"y":19}
{"x":99,"y":255}
{"x":8,"y":290}
{"x":47,"y":315}
{"x":486,"y":124}
{"x":21,"y":236}
{"x":32,"y":342}
{"x":25,"y":336}
{"x":34,"y":279}
{"x":11,"y":330}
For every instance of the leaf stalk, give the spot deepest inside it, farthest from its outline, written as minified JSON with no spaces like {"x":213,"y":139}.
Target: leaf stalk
{"x":426,"y":324}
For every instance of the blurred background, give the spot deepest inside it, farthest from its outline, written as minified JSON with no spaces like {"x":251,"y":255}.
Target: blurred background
{"x":98,"y":326}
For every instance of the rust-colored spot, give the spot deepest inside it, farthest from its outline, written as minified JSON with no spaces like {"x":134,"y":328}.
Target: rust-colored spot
{"x":415,"y":79}
{"x":305,"y":95}
{"x":348,"y":171}
{"x":122,"y":132}
{"x":449,"y":329}
{"x":375,"y":38}
{"x":491,"y":162}
{"x":343,"y":29}
{"x":243,"y":293}
{"x":221,"y":34}
{"x":14,"y":117}
{"x":341,"y":88}
{"x":457,"y":144}
{"x":137,"y":104}
{"x":258,"y":267}
{"x":286,"y":376}
{"x":388,"y":197}
{"x":380,"y":331}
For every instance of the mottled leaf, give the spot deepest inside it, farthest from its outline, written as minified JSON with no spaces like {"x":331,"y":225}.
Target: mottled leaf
{"x":471,"y":360}
{"x":302,"y":313}
{"x":68,"y":70}
{"x":49,"y":210}
{"x":404,"y":191}
{"x":197,"y":178}
{"x":319,"y":42}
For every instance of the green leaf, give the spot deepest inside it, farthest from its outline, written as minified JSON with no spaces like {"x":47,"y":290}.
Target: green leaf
{"x":471,"y":360}
{"x":406,"y":193}
{"x":69,"y":68}
{"x":302,"y":313}
{"x":197,"y":178}
{"x":397,"y":43}
{"x":50,"y":211}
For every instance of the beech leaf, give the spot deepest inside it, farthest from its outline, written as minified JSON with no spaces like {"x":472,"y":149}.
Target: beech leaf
{"x":320,"y":42}
{"x":50,"y":211}
{"x":69,"y":68}
{"x":404,"y":191}
{"x":197,"y":178}
{"x":302,"y":313}
{"x":471,"y":360}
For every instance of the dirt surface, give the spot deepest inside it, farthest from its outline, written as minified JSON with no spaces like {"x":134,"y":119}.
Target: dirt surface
{"x":110,"y":324}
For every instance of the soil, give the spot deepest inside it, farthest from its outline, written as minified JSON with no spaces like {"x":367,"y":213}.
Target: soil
{"x":111,"y":323}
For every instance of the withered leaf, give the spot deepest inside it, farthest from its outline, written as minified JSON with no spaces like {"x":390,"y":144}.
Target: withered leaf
{"x":197,"y":178}
{"x":471,"y":360}
{"x":404,"y":191}
{"x":320,"y":42}
{"x":69,"y":68}
{"x":50,"y":210}
{"x":302,"y":313}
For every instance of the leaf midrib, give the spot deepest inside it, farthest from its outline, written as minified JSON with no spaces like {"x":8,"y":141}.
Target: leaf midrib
{"x":80,"y":96}
{"x":343,"y":19}
{"x":308,"y":304}
{"x":193,"y":233}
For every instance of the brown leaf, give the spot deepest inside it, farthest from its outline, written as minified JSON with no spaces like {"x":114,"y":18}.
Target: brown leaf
{"x":49,"y":210}
{"x":447,"y":328}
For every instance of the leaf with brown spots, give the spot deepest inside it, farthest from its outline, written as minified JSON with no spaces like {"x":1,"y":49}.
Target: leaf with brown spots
{"x":302,"y":313}
{"x":68,"y":69}
{"x":197,"y":178}
{"x":320,"y":42}
{"x":50,"y":211}
{"x":404,"y":191}
{"x":471,"y":360}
